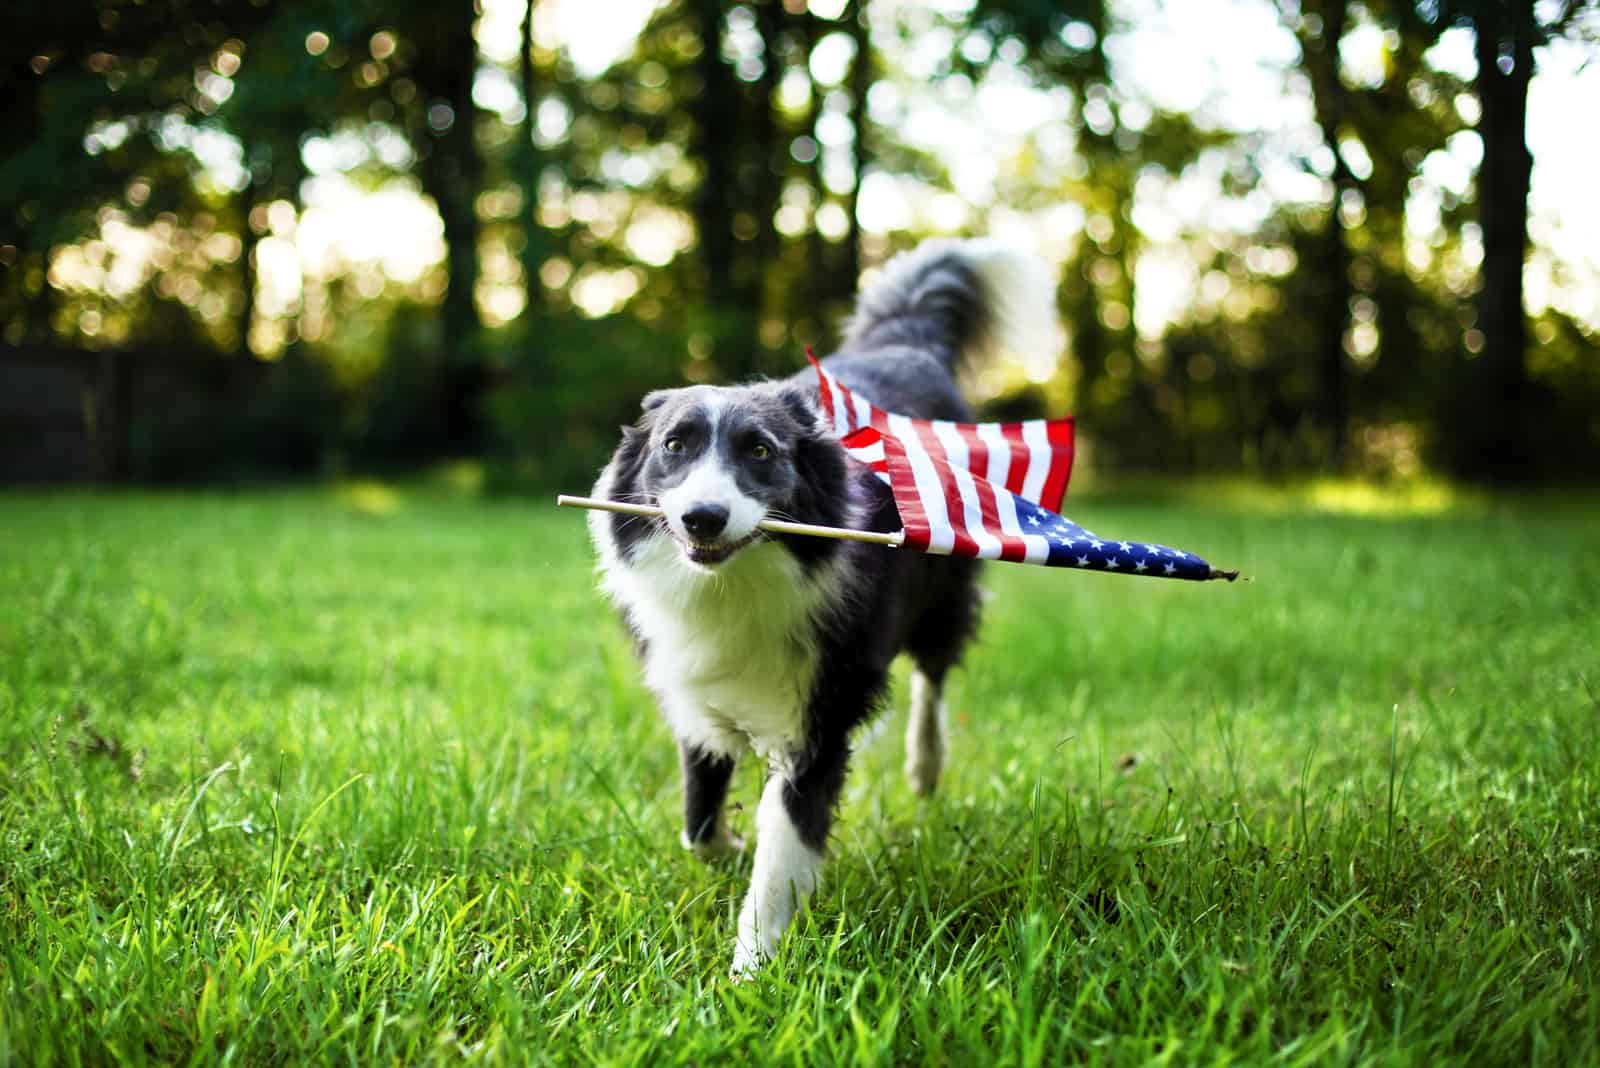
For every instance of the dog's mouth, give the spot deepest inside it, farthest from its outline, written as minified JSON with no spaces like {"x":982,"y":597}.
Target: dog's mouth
{"x":708,"y":554}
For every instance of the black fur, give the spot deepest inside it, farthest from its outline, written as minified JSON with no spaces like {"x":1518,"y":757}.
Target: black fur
{"x":628,"y":462}
{"x":926,"y":606}
{"x":705,"y":789}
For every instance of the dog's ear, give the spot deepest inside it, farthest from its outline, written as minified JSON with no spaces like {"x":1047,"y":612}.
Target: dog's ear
{"x":822,"y":489}
{"x":635,"y":443}
{"x":652,"y":400}
{"x":802,"y":405}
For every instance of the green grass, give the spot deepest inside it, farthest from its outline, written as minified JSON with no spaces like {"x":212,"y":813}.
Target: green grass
{"x":316,"y":777}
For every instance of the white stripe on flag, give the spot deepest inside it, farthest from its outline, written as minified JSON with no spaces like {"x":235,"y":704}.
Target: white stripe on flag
{"x":874,"y":456}
{"x":863,"y":412}
{"x":999,"y":454}
{"x":955,"y":450}
{"x":869,"y":454}
{"x":1037,"y":546}
{"x":941,"y":536}
{"x":1038,"y":439}
{"x":841,"y":423}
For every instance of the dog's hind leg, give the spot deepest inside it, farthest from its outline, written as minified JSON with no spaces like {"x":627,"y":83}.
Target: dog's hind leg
{"x":705,"y":790}
{"x":925,"y":732}
{"x":936,"y":644}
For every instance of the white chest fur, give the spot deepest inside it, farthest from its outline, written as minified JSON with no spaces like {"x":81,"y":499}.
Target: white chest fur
{"x":731,"y":654}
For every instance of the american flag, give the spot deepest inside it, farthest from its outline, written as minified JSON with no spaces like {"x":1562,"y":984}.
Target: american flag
{"x":988,"y":490}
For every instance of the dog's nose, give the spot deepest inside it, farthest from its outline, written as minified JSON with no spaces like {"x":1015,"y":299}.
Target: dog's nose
{"x":705,"y":521}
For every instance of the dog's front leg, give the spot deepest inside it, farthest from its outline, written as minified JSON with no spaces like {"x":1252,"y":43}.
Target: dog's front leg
{"x":791,"y":829}
{"x":705,"y":792}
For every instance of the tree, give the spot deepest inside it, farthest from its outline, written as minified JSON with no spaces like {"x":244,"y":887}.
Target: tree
{"x":67,"y":69}
{"x":861,"y":76}
{"x":716,"y":146}
{"x":451,"y":170}
{"x":1319,"y":28}
{"x":1499,"y":431}
{"x":533,"y":250}
{"x":1116,"y":388}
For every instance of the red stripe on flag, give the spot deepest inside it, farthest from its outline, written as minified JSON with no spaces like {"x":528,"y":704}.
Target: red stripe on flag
{"x":847,"y":402}
{"x":824,"y":392}
{"x":1021,"y":456}
{"x":1059,"y":432}
{"x":955,"y":507}
{"x":858,"y":441}
{"x":1011,"y":548}
{"x":903,"y":483}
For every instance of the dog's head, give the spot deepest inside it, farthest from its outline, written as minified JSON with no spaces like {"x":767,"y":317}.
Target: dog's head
{"x":719,"y":460}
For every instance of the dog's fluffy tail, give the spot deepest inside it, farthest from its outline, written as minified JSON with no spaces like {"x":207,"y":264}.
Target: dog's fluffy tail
{"x":962,"y":300}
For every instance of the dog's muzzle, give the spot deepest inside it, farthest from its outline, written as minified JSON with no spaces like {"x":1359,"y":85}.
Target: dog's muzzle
{"x":711,"y":553}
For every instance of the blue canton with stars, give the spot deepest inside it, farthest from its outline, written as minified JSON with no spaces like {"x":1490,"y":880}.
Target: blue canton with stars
{"x":1072,"y":546}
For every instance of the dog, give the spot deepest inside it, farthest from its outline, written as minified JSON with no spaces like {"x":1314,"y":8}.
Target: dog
{"x":780,"y":645}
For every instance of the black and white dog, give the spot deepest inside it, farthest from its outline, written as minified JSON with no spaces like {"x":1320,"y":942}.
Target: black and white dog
{"x":782,"y":644}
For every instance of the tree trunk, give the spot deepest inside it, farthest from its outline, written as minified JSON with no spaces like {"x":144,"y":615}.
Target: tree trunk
{"x":532,"y":237}
{"x":818,"y":287}
{"x":248,"y":200}
{"x":860,"y":145}
{"x":1320,"y":57}
{"x":26,"y":227}
{"x":716,"y":142}
{"x":769,"y":146}
{"x":452,"y":174}
{"x":1499,"y":427}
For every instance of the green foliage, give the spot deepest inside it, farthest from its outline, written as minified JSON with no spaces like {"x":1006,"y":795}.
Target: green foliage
{"x":712,"y":175}
{"x":399,"y":419}
{"x":555,"y":411}
{"x":370,"y":776}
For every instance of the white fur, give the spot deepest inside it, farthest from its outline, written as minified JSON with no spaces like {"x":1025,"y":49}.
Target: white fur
{"x":784,"y":878}
{"x":925,"y":735}
{"x":1018,"y":289}
{"x":730,"y":651}
{"x":731,"y":655}
{"x":710,"y":482}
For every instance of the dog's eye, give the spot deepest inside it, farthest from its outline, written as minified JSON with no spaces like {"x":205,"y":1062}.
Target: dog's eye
{"x":761,"y":450}
{"x":673,"y":445}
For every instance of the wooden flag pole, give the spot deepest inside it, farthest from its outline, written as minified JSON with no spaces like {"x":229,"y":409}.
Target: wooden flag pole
{"x":778,"y":526}
{"x":772,"y":526}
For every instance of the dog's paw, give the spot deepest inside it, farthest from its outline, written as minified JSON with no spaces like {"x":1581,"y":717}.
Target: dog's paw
{"x":923,"y":769}
{"x":748,"y":961}
{"x":719,"y":846}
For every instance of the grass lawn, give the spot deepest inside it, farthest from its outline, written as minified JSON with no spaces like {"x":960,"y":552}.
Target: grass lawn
{"x":358,"y":777}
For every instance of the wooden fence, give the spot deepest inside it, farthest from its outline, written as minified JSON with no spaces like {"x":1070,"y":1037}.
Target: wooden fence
{"x":72,"y":416}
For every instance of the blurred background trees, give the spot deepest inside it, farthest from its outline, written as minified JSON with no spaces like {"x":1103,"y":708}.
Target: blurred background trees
{"x":1294,"y":235}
